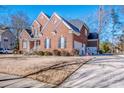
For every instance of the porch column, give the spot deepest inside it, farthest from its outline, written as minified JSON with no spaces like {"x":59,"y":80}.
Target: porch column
{"x":84,"y":48}
{"x":35,"y":45}
{"x":28,"y":46}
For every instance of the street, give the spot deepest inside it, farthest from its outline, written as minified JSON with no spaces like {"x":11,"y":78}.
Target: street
{"x":101,"y":72}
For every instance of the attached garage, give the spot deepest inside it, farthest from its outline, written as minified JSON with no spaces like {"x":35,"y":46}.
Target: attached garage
{"x":80,"y":47}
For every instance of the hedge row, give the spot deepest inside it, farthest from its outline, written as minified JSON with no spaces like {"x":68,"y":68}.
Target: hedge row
{"x":56,"y":53}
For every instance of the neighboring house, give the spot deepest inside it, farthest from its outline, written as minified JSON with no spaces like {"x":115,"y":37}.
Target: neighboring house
{"x":7,"y":39}
{"x":93,"y":43}
{"x":50,"y":33}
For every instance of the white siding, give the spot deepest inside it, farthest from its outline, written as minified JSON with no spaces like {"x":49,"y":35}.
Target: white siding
{"x":8,"y":40}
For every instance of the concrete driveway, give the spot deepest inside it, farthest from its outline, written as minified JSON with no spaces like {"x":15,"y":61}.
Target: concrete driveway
{"x":101,"y":72}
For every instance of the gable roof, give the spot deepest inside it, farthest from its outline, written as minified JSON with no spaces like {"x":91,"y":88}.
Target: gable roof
{"x":42,"y":13}
{"x":29,"y":32}
{"x":93,"y":35}
{"x":76,"y":29}
{"x":3,"y":29}
{"x":36,"y":22}
{"x":78,"y":23}
{"x":67,"y":24}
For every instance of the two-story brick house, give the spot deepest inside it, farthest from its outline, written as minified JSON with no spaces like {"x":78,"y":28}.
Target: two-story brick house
{"x":50,"y":33}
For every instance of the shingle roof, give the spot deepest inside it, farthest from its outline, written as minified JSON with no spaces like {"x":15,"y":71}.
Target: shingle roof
{"x":29,"y":32}
{"x":93,"y":35}
{"x":75,"y":24}
{"x":3,"y":29}
{"x":47,"y":15}
{"x":71,"y":25}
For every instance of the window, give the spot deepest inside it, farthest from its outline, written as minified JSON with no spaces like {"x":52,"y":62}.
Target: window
{"x":62,"y":43}
{"x":24,"y":44}
{"x":41,"y":17}
{"x":85,"y":32}
{"x":47,"y":43}
{"x":37,"y":44}
{"x":0,"y":37}
{"x":54,"y":21}
{"x":54,"y":32}
{"x":5,"y":39}
{"x":36,"y":33}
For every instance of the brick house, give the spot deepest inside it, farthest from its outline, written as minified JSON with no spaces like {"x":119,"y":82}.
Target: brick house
{"x":50,"y":33}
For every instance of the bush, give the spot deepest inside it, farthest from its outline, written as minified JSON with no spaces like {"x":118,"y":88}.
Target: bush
{"x":65,"y":53}
{"x":34,"y":53}
{"x":41,"y":53}
{"x":47,"y":53}
{"x":100,"y":52}
{"x":75,"y":52}
{"x":56,"y":52}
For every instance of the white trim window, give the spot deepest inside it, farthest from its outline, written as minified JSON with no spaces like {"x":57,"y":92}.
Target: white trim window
{"x":47,"y":43}
{"x":35,"y":33}
{"x":0,"y":38}
{"x":24,"y":44}
{"x":86,"y":32}
{"x":62,"y":43}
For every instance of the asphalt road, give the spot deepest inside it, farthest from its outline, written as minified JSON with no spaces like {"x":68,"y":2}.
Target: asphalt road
{"x":101,"y":72}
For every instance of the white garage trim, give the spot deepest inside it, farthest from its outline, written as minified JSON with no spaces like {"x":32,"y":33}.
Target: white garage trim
{"x":80,"y":47}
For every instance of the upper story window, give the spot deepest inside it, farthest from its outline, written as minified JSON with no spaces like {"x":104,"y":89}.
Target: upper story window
{"x":41,"y":17}
{"x":54,"y":21}
{"x":0,"y":37}
{"x":47,"y":43}
{"x":86,"y":32}
{"x":62,"y":43}
{"x":35,"y":33}
{"x":5,"y":39}
{"x":54,"y":32}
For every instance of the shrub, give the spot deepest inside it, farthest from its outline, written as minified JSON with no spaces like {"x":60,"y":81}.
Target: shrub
{"x":41,"y":53}
{"x":100,"y":52}
{"x":65,"y":53}
{"x":47,"y":53}
{"x":19,"y":52}
{"x":34,"y":53}
{"x":56,"y":52}
{"x":75,"y":52}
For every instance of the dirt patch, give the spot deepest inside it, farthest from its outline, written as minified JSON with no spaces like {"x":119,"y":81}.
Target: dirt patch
{"x":56,"y":75}
{"x":52,"y":70}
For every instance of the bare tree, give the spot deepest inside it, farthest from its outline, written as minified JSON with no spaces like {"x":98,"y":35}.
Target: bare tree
{"x":4,"y":15}
{"x":19,"y":21}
